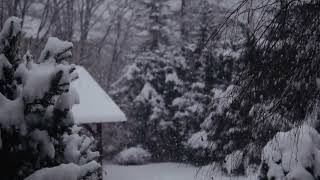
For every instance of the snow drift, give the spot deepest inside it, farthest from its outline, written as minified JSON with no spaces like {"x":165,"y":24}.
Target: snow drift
{"x":292,"y":155}
{"x":133,"y":155}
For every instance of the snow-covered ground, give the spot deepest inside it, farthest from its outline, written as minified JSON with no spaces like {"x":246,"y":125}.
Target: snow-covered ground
{"x":164,"y":171}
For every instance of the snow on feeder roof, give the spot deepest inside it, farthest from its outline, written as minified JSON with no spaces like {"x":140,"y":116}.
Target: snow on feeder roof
{"x":95,"y":105}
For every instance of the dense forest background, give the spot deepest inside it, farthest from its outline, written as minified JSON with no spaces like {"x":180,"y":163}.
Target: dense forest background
{"x":200,"y":81}
{"x":108,"y":34}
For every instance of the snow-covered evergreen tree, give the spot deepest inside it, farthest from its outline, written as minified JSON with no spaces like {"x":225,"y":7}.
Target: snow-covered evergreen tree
{"x":277,"y":86}
{"x":36,"y":124}
{"x":166,"y":92}
{"x":215,"y":68}
{"x":148,"y":88}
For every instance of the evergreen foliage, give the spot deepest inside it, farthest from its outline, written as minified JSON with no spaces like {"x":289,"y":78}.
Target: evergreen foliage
{"x":167,"y":91}
{"x":36,"y":124}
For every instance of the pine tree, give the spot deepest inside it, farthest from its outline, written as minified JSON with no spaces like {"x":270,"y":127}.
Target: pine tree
{"x":36,"y":124}
{"x":166,"y":92}
{"x":215,"y":68}
{"x":149,"y":87}
{"x":277,"y":86}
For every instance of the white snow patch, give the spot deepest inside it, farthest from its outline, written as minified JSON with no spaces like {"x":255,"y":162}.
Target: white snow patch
{"x":67,"y":100}
{"x":55,"y":48}
{"x":64,"y":172}
{"x":95,"y":105}
{"x":12,"y":113}
{"x":198,"y":140}
{"x":166,"y":171}
{"x":46,"y":146}
{"x":179,"y":102}
{"x":172,"y":77}
{"x":133,"y":155}
{"x":77,"y":149}
{"x":233,"y":161}
{"x":198,"y":85}
{"x":148,"y":93}
{"x":11,"y":21}
{"x":223,"y":99}
{"x":293,"y":152}
{"x":130,"y":71}
{"x":207,"y":123}
{"x":37,"y":79}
